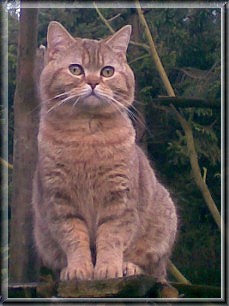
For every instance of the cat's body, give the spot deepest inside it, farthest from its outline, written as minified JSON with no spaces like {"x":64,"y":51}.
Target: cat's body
{"x":99,"y":210}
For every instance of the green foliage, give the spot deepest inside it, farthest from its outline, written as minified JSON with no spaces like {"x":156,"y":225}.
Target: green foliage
{"x":188,"y":42}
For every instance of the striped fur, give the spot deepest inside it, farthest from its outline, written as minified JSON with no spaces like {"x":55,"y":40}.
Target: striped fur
{"x":99,"y":210}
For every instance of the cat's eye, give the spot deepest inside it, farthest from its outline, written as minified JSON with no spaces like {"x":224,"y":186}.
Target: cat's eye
{"x":76,"y":69}
{"x":107,"y":71}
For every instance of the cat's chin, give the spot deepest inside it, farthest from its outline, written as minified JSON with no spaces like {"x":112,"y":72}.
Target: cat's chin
{"x":92,"y":102}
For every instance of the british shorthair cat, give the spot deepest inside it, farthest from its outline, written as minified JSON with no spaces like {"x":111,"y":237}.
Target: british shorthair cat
{"x":100,"y":212}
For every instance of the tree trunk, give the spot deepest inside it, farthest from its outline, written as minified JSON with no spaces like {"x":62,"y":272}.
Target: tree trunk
{"x":23,"y":261}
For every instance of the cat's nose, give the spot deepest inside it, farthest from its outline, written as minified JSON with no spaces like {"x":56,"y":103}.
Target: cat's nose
{"x":93,"y":84}
{"x":92,"y":80}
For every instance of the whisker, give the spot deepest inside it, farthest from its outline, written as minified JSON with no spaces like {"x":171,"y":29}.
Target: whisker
{"x":68,"y":98}
{"x":53,"y":98}
{"x":139,"y":102}
{"x":117,"y":106}
{"x":76,"y":101}
{"x":57,"y":96}
{"x":55,"y":106}
{"x":62,"y":94}
{"x":36,"y":108}
{"x":45,"y":101}
{"x":110,"y":98}
{"x":121,"y":94}
{"x":131,"y":114}
{"x":59,"y":103}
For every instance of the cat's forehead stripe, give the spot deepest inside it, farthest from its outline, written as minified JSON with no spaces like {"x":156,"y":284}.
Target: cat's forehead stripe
{"x":92,"y":55}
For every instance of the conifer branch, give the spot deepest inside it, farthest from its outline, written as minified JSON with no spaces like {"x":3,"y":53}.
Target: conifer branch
{"x":196,"y":168}
{"x":185,"y":102}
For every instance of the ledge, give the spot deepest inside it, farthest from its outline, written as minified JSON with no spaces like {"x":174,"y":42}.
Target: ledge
{"x":128,"y":287}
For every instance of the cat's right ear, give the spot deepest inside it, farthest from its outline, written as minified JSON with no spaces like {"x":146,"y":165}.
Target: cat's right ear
{"x":58,"y":39}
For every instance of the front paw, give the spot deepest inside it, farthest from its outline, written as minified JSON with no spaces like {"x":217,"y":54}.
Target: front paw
{"x":80,"y":271}
{"x":108,"y":270}
{"x":131,"y":269}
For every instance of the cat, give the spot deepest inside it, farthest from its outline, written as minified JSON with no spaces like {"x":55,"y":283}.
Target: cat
{"x":100,"y":212}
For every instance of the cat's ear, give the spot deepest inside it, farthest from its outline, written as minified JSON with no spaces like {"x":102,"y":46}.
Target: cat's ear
{"x":58,"y":39}
{"x":119,"y":41}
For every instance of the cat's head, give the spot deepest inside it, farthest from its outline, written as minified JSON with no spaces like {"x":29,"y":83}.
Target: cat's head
{"x":86,"y":75}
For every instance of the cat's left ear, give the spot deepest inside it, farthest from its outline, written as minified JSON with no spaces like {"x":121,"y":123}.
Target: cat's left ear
{"x":58,"y":39}
{"x":119,"y":41}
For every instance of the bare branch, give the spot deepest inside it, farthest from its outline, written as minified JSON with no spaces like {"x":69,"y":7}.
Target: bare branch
{"x":176,"y":273}
{"x":105,"y":21}
{"x":196,"y":168}
{"x":113,"y":18}
{"x":154,"y":53}
{"x":6,"y":164}
{"x":138,"y":58}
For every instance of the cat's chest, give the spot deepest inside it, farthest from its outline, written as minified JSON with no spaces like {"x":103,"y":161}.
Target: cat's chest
{"x":90,"y":163}
{"x":89,"y":160}
{"x":88,"y":142}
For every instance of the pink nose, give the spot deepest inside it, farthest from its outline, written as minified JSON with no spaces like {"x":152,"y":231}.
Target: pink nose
{"x":93,"y":84}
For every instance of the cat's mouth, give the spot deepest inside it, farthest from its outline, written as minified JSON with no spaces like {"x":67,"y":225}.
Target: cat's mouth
{"x":93,"y":94}
{"x":92,"y":99}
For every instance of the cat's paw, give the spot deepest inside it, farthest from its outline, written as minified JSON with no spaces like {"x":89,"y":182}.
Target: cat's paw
{"x":78,"y":271}
{"x":108,"y":270}
{"x":131,"y":269}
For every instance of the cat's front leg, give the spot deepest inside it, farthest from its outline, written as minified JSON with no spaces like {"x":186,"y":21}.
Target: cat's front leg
{"x":77,"y":250}
{"x":115,"y":232}
{"x":71,"y":233}
{"x":79,"y":261}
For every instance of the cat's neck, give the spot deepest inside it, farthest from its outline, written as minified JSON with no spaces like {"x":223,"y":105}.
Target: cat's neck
{"x":89,"y":128}
{"x":82,"y":119}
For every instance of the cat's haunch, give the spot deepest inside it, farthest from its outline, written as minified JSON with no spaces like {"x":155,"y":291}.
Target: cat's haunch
{"x":99,"y":210}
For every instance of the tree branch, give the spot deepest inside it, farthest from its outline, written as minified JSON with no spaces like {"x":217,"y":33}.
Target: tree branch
{"x":130,"y":287}
{"x":185,"y":125}
{"x":114,"y":17}
{"x":184,"y":102}
{"x":177,"y":274}
{"x":6,"y":164}
{"x":196,"y":168}
{"x":123,"y":287}
{"x":105,"y":21}
{"x":153,"y":52}
{"x":138,"y":58}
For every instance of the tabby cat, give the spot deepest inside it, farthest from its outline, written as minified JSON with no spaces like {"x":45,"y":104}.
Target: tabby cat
{"x":99,"y":210}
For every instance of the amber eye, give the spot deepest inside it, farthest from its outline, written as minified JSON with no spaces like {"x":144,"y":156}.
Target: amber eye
{"x":107,"y":71}
{"x":76,"y":69}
